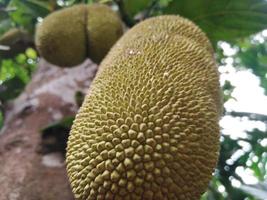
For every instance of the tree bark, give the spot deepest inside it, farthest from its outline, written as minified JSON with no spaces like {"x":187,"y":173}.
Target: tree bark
{"x":24,"y":173}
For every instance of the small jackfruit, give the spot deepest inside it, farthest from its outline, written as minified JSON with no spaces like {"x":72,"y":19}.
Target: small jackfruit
{"x":15,"y":41}
{"x":68,"y":36}
{"x":148,"y":128}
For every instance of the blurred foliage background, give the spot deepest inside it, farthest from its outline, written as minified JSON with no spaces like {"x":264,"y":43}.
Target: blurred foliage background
{"x":236,"y":25}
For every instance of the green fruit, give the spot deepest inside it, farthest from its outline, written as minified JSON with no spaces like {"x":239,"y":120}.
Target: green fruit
{"x":15,"y":41}
{"x":68,"y":36}
{"x":104,"y":28}
{"x":61,"y":38}
{"x":148,"y":128}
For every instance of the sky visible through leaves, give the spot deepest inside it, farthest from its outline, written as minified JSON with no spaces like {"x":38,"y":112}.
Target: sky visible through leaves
{"x":247,"y":96}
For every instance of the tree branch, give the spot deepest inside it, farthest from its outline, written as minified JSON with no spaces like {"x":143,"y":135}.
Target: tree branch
{"x":27,"y":172}
{"x":251,"y":116}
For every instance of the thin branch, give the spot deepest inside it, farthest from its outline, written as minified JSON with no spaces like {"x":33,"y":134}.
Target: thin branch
{"x":12,"y":9}
{"x":251,"y":116}
{"x":4,"y":48}
{"x":148,"y":11}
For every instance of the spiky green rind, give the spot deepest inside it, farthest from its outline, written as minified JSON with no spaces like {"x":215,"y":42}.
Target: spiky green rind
{"x":148,"y":128}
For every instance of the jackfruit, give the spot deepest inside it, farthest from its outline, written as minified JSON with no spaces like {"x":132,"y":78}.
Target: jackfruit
{"x":68,"y":36}
{"x":148,"y":128}
{"x":15,"y":41}
{"x":104,"y":28}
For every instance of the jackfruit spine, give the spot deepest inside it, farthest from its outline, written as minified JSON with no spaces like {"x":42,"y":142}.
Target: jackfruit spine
{"x":68,"y":36}
{"x":148,"y":128}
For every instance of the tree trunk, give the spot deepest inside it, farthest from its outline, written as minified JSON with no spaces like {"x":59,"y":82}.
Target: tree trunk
{"x":26,"y":174}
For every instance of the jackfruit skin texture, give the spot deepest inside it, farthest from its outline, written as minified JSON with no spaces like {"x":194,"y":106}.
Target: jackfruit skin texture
{"x":148,"y":128}
{"x":61,"y":37}
{"x":68,"y":36}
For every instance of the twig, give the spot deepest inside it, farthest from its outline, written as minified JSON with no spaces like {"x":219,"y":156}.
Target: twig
{"x":12,"y":9}
{"x":4,"y":48}
{"x":148,"y":11}
{"x":252,"y":116}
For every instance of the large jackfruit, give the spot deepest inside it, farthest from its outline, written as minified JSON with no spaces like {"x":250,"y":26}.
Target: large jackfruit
{"x":148,"y":128}
{"x":68,"y":36}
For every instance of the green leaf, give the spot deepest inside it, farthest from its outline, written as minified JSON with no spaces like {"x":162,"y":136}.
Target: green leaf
{"x":104,"y":1}
{"x":253,"y":56}
{"x":7,"y":70}
{"x":164,"y":3}
{"x":22,"y":16}
{"x":227,"y":90}
{"x":12,"y":68}
{"x":5,"y":25}
{"x":224,"y":19}
{"x":14,"y":75}
{"x":27,"y":12}
{"x":3,"y":14}
{"x":256,"y":170}
{"x":37,"y":7}
{"x":11,"y":88}
{"x":133,"y":7}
